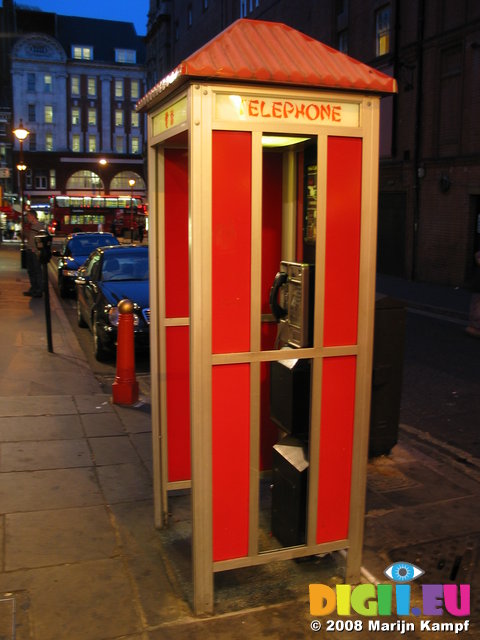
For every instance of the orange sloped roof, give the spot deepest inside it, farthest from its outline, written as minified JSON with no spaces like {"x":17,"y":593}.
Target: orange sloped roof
{"x":273,"y":53}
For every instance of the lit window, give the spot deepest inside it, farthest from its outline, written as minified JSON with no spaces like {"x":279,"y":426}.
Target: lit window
{"x":53,"y":179}
{"x":75,"y":115}
{"x":118,"y":118}
{"x":48,"y":113}
{"x":92,"y":117}
{"x":119,"y":144}
{"x":118,"y":88}
{"x":75,"y":84}
{"x":128,"y":56}
{"x":76,"y":142}
{"x":92,"y":86}
{"x":47,"y":83}
{"x":135,"y":119}
{"x":135,"y":144}
{"x":92,"y":144}
{"x":80,"y":52}
{"x":135,"y":89}
{"x":48,"y":142}
{"x":382,"y":23}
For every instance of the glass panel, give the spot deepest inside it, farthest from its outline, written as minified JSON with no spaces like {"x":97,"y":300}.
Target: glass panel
{"x":289,"y":214}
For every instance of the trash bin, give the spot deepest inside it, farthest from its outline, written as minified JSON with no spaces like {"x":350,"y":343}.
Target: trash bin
{"x":388,"y":356}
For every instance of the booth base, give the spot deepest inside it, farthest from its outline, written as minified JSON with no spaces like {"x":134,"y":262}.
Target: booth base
{"x":249,"y":587}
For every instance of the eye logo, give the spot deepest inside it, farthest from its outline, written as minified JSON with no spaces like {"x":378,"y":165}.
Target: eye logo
{"x":403,"y":572}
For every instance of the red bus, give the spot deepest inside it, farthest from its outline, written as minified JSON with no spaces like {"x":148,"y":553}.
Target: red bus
{"x":125,"y":216}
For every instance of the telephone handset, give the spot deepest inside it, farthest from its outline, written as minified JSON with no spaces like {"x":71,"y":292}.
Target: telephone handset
{"x":277,"y":311}
{"x":295,"y":319}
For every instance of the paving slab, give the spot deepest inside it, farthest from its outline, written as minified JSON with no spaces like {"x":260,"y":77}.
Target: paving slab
{"x":125,"y":482}
{"x":20,"y":428}
{"x":101,"y":424}
{"x":43,"y":538}
{"x":42,"y":405}
{"x":93,"y":403}
{"x":113,"y":450}
{"x":52,"y":489}
{"x":44,"y":454}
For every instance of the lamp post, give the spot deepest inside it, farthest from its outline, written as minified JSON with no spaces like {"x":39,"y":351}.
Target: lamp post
{"x":21,"y":134}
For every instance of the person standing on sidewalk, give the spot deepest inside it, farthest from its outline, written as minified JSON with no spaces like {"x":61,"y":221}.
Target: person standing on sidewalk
{"x":473,"y":328}
{"x":33,"y":228}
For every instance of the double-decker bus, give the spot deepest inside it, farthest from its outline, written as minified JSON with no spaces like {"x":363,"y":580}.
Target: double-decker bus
{"x":125,"y":216}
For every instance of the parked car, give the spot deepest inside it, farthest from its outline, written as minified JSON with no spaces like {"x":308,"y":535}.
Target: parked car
{"x":77,"y":248}
{"x":109,"y":275}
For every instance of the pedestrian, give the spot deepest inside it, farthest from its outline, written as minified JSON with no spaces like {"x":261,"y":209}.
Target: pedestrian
{"x":33,"y":228}
{"x":473,"y":328}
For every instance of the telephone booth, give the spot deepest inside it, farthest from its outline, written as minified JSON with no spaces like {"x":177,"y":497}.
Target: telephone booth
{"x":263,"y":170}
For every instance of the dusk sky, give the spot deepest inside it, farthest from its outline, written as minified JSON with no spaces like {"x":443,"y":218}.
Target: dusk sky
{"x":124,"y":10}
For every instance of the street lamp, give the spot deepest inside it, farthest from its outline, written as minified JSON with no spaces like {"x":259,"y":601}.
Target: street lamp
{"x":21,"y":134}
{"x":131,"y":182}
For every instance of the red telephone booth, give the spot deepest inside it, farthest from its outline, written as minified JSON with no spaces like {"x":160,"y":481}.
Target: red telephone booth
{"x":263,"y":167}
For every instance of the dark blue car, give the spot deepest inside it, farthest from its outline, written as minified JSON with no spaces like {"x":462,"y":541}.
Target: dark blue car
{"x":109,"y":275}
{"x":77,"y":248}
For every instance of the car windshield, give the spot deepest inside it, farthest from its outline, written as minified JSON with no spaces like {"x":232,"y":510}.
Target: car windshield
{"x":125,"y":267}
{"x":84,"y":245}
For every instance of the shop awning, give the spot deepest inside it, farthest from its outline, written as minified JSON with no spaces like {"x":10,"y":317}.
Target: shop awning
{"x":272,"y":53}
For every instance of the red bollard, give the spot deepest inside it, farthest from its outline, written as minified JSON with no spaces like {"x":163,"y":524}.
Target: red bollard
{"x":125,"y":387}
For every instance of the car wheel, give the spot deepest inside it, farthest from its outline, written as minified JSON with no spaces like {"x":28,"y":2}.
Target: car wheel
{"x":98,"y":349}
{"x":80,"y":321}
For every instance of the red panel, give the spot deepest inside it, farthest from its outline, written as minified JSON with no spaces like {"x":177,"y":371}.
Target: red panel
{"x":231,"y":229}
{"x":178,"y":403}
{"x":230,"y":460}
{"x":271,"y":223}
{"x":336,"y":445}
{"x":342,"y":255}
{"x":176,"y":233}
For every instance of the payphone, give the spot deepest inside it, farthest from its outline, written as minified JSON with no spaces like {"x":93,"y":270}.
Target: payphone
{"x":291,"y":302}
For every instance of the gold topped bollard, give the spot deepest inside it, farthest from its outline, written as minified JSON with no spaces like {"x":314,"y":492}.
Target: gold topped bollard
{"x":125,"y":386}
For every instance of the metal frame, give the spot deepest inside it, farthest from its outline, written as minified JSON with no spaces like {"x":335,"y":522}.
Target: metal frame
{"x":200,"y":124}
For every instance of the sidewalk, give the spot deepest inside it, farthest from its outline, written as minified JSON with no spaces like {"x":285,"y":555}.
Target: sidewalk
{"x":80,"y":557}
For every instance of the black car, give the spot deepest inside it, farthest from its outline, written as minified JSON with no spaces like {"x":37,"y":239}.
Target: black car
{"x":77,"y":248}
{"x":109,"y":275}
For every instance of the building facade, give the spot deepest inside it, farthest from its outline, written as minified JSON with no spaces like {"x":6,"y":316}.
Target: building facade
{"x":429,"y":190}
{"x":75,"y":83}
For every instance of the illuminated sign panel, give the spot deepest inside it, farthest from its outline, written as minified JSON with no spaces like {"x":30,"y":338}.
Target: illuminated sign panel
{"x":171,"y":117}
{"x":266,"y":109}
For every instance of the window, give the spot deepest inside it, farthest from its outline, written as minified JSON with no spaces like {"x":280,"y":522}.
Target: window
{"x":135,"y":144}
{"x":189,"y":16}
{"x":119,"y":144}
{"x":205,"y":5}
{"x":118,"y":118}
{"x":76,"y":142}
{"x":92,"y":86}
{"x":92,"y":117}
{"x":75,"y":116}
{"x":81,"y":52}
{"x":134,"y":89}
{"x":48,"y":142}
{"x":343,"y":41}
{"x":382,"y":28}
{"x":48,"y":113}
{"x":53,"y":179}
{"x":40,"y":181}
{"x":118,"y":88}
{"x":128,"y":56}
{"x":75,"y":85}
{"x":30,"y":82}
{"x":177,"y":30}
{"x":135,"y":119}
{"x":32,"y":141}
{"x":28,"y":178}
{"x":92,"y":144}
{"x":243,"y":8}
{"x":32,"y":115}
{"x":47,"y":83}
